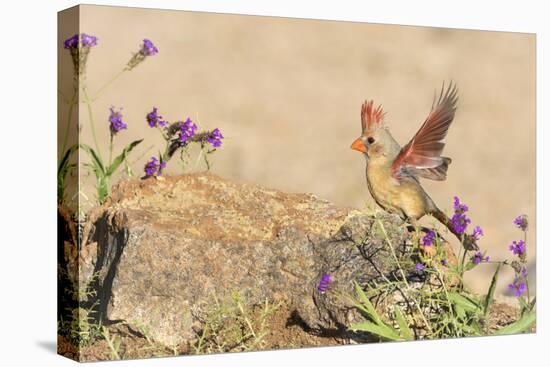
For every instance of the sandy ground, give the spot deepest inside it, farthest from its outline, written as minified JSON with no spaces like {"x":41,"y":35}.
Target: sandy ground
{"x":287,"y":94}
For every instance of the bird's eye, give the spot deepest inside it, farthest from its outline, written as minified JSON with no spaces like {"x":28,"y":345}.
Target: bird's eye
{"x":370,"y":139}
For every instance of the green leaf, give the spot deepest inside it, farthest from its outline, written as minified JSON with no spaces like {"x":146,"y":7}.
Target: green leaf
{"x":102,"y":187}
{"x":121,"y":157}
{"x":366,"y":305}
{"x":128,"y":170}
{"x":466,"y":303}
{"x":519,"y":326}
{"x":102,"y":179}
{"x":491,"y":291}
{"x":95,"y":159}
{"x":406,"y":332}
{"x":64,"y":163}
{"x":470,"y":330}
{"x":62,"y":170}
{"x":383,"y":331}
{"x":476,"y":328}
{"x":532,"y":303}
{"x":460,"y":313}
{"x":523,"y":303}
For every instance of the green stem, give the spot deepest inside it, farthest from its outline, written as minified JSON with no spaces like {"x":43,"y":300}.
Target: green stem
{"x":462,"y":262}
{"x":525,"y":264}
{"x":91,"y":118}
{"x":198,"y":158}
{"x":141,"y":156}
{"x":167,"y":144}
{"x":109,"y":82}
{"x":440,"y":278}
{"x":164,"y":136}
{"x":111,"y":150}
{"x":388,"y":242}
{"x":69,"y":118}
{"x":103,"y":185}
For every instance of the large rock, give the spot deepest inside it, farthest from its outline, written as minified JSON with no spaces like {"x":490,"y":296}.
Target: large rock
{"x":165,"y":247}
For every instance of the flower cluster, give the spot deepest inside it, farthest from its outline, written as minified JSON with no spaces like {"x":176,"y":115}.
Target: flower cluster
{"x":459,"y":220}
{"x":326,"y":279}
{"x":147,"y":49}
{"x":79,"y":56}
{"x":521,"y":222}
{"x":517,"y":247}
{"x":187,"y":130}
{"x":518,"y":286}
{"x":115,"y":120}
{"x":154,"y":167}
{"x":154,"y":119}
{"x":85,"y":40}
{"x":179,"y":134}
{"x":477,"y":233}
{"x":215,"y":138}
{"x":420,"y":267}
{"x":71,"y":42}
{"x":428,"y":239}
{"x":479,"y":258}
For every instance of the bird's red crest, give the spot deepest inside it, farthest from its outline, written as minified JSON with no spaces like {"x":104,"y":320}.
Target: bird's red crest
{"x":370,"y":116}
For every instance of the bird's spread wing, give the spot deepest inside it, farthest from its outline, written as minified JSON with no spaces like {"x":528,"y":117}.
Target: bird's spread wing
{"x":422,"y":155}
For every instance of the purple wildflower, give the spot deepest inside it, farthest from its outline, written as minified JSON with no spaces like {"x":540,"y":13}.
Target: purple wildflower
{"x":460,"y":223}
{"x":154,"y":167}
{"x":71,"y":42}
{"x":148,"y":48}
{"x":116,"y":121}
{"x":215,"y":138}
{"x":188,"y":129}
{"x":518,"y":247}
{"x":459,"y":220}
{"x":87,"y":40}
{"x":419,"y":267}
{"x":518,"y":286}
{"x":444,"y":262}
{"x":477,"y":233}
{"x":154,"y":119}
{"x":326,"y":278}
{"x":521,"y":222}
{"x":460,"y":207}
{"x":428,"y":238}
{"x":479,"y":258}
{"x":524,"y":272}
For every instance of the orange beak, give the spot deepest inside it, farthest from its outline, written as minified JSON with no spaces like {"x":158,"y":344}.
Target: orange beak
{"x":359,"y":146}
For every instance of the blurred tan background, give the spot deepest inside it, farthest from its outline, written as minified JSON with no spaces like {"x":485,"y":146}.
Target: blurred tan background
{"x":286,"y":94}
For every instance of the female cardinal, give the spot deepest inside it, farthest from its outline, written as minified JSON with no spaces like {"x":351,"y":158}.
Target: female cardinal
{"x":393,"y":172}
